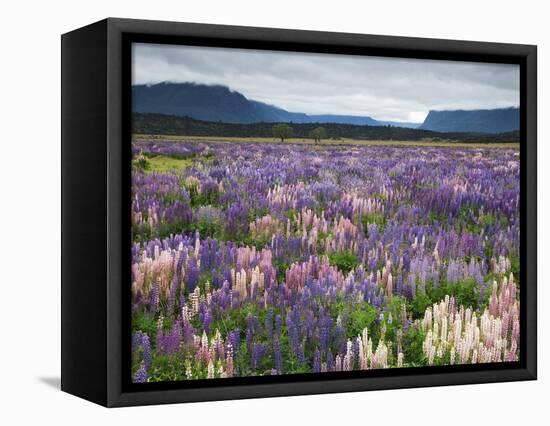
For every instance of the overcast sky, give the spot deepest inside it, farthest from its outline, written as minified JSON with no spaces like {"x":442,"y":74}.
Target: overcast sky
{"x":382,"y":88}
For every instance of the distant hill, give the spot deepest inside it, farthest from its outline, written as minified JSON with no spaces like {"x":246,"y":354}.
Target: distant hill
{"x":158,"y":124}
{"x":219,"y":103}
{"x":480,"y":120}
{"x":342,"y":119}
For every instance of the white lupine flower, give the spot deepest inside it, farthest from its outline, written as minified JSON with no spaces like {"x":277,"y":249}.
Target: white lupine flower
{"x":471,"y":338}
{"x":210,"y":370}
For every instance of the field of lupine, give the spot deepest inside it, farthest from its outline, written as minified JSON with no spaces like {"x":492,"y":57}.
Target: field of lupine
{"x":266,"y":259}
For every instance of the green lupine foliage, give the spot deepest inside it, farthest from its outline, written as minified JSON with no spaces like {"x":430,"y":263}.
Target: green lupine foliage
{"x":344,"y":261}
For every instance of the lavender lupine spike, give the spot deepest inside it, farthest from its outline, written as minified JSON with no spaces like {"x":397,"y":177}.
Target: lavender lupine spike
{"x":154,"y":298}
{"x":278,"y":355}
{"x":317,"y":361}
{"x":141,"y":374}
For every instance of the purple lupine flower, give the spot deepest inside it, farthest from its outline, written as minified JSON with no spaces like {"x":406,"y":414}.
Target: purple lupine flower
{"x":141,"y":374}
{"x":269,"y":324}
{"x":340,"y":338}
{"x":324,"y":333}
{"x":192,"y":275}
{"x":146,"y":344}
{"x":169,"y":342}
{"x":278,"y":324}
{"x":206,"y":320}
{"x":188,"y":332}
{"x":330,"y":361}
{"x":154,"y":298}
{"x":399,"y":286}
{"x":258,"y":352}
{"x":248,"y":337}
{"x":136,"y":340}
{"x":278,"y":355}
{"x":300,"y":354}
{"x":235,"y":339}
{"x":172,"y":297}
{"x":317,"y":361}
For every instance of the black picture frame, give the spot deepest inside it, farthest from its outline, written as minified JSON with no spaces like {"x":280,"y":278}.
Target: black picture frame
{"x":96,"y":226}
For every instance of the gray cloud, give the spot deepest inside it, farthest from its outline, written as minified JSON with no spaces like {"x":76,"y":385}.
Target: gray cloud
{"x":383,"y":88}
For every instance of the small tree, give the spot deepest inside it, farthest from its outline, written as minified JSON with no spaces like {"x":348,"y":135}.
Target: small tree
{"x":317,"y":134}
{"x":282,"y":131}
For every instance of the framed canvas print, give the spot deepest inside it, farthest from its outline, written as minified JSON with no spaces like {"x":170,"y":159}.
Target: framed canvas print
{"x":253,"y":212}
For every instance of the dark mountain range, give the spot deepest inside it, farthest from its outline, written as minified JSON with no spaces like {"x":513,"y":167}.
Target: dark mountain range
{"x":158,"y":124}
{"x":219,"y":103}
{"x":480,"y":120}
